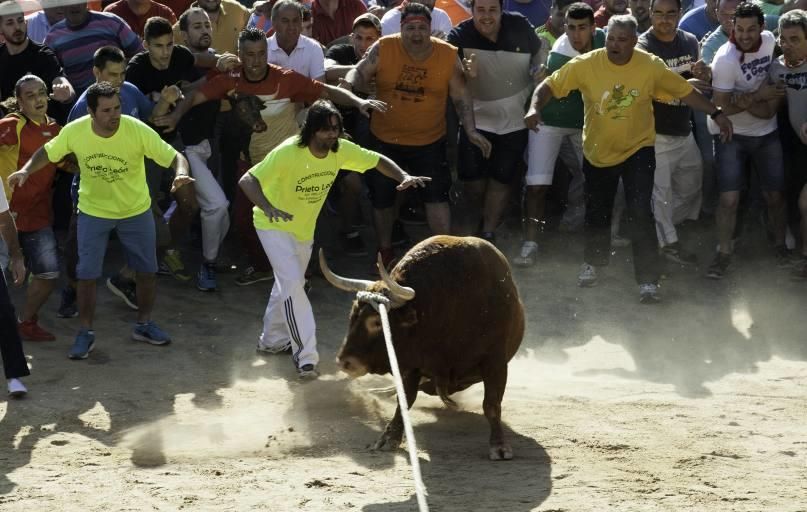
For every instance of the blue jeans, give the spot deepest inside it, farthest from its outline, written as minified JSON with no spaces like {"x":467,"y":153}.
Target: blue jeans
{"x":732,"y":159}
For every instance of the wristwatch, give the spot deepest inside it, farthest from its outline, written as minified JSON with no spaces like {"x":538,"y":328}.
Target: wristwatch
{"x":716,"y":113}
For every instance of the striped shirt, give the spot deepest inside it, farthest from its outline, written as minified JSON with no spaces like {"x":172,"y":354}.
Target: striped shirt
{"x":75,"y":46}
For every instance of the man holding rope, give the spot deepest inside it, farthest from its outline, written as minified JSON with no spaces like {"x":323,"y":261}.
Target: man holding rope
{"x":288,"y":189}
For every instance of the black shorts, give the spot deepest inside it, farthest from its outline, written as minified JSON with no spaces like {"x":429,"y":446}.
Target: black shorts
{"x":506,"y":157}
{"x":428,"y":160}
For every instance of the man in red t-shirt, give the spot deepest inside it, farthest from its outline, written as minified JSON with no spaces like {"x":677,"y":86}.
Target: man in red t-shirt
{"x":21,"y":134}
{"x":277,"y":91}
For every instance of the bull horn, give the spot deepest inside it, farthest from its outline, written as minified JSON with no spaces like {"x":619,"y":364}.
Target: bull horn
{"x":343,"y":283}
{"x":400,"y":294}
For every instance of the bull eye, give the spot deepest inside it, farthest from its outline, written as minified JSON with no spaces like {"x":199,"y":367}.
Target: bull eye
{"x":372,"y":323}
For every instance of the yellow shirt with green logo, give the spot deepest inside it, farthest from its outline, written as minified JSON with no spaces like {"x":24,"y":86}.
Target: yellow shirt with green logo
{"x":618,"y":101}
{"x":297,"y":182}
{"x":113,"y":174}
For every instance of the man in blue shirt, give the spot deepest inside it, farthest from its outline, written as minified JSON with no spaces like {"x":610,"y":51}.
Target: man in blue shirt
{"x":537,"y":11}
{"x":701,"y":20}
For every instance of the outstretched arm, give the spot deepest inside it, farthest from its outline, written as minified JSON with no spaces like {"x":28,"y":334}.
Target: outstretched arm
{"x":37,"y":162}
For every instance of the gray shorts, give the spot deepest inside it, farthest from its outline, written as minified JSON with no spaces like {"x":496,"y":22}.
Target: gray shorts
{"x":136,"y":234}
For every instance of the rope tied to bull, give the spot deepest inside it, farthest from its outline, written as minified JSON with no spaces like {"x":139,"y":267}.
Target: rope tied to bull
{"x":380,"y":303}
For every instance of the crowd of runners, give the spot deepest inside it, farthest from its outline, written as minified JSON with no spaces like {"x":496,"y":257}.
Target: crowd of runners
{"x":166,"y":122}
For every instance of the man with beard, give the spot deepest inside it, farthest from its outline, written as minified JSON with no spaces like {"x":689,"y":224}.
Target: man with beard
{"x":739,"y":68}
{"x":679,"y":170}
{"x":288,"y":188}
{"x":415,"y":74}
{"x":617,"y":85}
{"x":110,"y":150}
{"x":640,"y":9}
{"x":560,"y":136}
{"x":504,"y":49}
{"x":790,"y":70}
{"x":227,"y":17}
{"x":609,"y":8}
{"x":21,"y":56}
{"x":279,"y":90}
{"x":81,"y":32}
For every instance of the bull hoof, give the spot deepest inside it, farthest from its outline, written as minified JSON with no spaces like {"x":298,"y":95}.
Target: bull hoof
{"x":500,"y":452}
{"x":387,"y":443}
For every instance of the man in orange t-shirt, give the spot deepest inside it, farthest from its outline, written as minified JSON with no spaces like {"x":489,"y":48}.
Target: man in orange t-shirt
{"x":21,"y":135}
{"x":414,"y":75}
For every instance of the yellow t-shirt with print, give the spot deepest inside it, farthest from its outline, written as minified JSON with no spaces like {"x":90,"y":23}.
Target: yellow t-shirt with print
{"x":297,"y":182}
{"x":113,"y":174}
{"x":617,"y":101}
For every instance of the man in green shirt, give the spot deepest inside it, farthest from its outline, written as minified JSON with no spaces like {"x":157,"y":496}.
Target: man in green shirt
{"x":288,"y":188}
{"x":110,"y":149}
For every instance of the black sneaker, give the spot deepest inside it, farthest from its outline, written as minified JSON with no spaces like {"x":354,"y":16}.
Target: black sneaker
{"x":127,"y":291}
{"x":412,"y":216}
{"x":68,"y":307}
{"x":784,"y":256}
{"x":677,"y":254}
{"x":399,"y":236}
{"x":353,"y":244}
{"x":719,"y":266}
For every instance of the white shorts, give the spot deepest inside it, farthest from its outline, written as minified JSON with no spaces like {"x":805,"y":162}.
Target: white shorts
{"x":543,"y":149}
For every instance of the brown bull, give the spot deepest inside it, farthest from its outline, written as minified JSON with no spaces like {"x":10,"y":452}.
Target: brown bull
{"x":456,"y":319}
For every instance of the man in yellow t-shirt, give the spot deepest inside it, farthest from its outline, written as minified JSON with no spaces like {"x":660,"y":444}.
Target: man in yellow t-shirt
{"x":618,"y":84}
{"x":113,"y":195}
{"x":288,"y":188}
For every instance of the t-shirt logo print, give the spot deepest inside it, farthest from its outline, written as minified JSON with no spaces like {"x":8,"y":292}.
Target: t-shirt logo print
{"x":103,"y":166}
{"x":410,"y":83}
{"x":616,"y":102}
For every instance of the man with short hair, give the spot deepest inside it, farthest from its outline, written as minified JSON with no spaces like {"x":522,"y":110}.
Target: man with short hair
{"x":501,"y":52}
{"x":161,"y":72}
{"x":81,"y":32}
{"x":288,"y":48}
{"x":719,"y":37}
{"x":640,"y":9}
{"x":560,"y":136}
{"x":288,"y":188}
{"x":228,"y":18}
{"x":137,"y":12}
{"x":610,"y":8}
{"x":679,"y":170}
{"x":110,"y":149}
{"x":21,"y":134}
{"x":617,"y":84}
{"x":334,"y":18}
{"x":790,"y":70}
{"x":550,"y":31}
{"x":739,"y":68}
{"x":415,"y":75}
{"x":20,"y":56}
{"x":441,"y":23}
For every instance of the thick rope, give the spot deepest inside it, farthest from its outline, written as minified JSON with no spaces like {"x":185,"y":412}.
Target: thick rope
{"x":380,"y":303}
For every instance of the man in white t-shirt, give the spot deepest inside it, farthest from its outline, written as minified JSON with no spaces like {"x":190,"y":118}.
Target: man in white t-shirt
{"x":288,"y":48}
{"x":739,"y":69}
{"x":441,"y":23}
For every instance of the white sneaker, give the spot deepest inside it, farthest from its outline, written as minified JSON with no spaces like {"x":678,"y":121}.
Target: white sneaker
{"x":16,"y":389}
{"x":527,"y":256}
{"x":587,"y":276}
{"x":307,"y":372}
{"x":273,"y":350}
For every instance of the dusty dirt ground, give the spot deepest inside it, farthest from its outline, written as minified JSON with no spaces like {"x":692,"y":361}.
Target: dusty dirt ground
{"x":697,"y":404}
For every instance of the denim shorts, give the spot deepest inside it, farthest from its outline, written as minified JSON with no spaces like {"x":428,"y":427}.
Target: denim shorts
{"x":40,"y":252}
{"x":765,"y":152}
{"x":428,"y":160}
{"x":136,"y":234}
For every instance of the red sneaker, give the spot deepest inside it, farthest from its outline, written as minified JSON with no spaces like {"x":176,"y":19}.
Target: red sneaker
{"x":31,"y":331}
